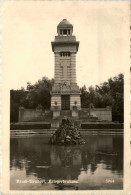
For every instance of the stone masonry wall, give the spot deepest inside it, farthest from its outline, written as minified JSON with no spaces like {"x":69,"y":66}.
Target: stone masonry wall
{"x":74,"y":98}
{"x":56,"y":98}
{"x":34,"y":115}
{"x":104,"y":114}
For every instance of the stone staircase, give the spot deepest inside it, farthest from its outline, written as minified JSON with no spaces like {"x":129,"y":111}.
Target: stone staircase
{"x":64,"y":113}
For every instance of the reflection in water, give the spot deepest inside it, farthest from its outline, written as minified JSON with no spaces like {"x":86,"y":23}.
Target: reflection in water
{"x":88,"y":166}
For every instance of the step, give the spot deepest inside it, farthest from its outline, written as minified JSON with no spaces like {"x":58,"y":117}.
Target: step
{"x":82,"y":131}
{"x":65,"y":112}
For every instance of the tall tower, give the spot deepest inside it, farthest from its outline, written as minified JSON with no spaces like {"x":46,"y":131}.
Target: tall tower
{"x":65,"y":92}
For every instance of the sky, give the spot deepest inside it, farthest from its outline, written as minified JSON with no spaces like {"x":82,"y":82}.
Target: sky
{"x":28,"y":27}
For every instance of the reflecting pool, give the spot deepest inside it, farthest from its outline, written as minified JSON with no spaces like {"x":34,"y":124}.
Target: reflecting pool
{"x":36,"y":165}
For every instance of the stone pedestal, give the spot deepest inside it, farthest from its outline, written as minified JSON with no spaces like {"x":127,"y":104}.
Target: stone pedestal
{"x":55,"y":124}
{"x":21,"y":113}
{"x":75,"y":113}
{"x":56,"y":114}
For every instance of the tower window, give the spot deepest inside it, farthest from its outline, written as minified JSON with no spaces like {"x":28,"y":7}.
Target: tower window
{"x":64,"y":54}
{"x":60,"y":31}
{"x":64,"y":32}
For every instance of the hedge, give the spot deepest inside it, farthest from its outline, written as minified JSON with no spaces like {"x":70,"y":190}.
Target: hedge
{"x":83,"y":126}
{"x":103,"y":126}
{"x":29,"y":126}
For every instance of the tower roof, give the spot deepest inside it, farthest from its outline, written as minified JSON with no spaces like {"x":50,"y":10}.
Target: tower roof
{"x":64,"y":23}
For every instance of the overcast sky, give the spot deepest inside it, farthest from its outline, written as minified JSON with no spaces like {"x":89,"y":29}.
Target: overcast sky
{"x":28,"y":27}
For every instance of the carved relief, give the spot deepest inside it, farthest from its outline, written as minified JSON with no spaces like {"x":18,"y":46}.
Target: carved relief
{"x":65,"y":84}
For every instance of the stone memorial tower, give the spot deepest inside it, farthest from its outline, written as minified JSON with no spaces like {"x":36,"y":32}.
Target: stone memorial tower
{"x":65,"y":92}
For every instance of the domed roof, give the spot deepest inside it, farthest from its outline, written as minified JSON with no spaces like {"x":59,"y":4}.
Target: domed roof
{"x":64,"y":23}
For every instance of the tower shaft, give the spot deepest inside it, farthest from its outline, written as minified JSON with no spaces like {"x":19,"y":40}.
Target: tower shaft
{"x":65,"y":90}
